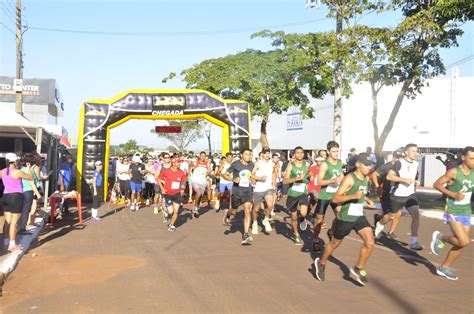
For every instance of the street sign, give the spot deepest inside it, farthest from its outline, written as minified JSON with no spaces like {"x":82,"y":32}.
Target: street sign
{"x":168,"y":129}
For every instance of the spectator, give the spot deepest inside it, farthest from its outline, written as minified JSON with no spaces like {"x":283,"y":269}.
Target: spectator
{"x":65,"y":181}
{"x":30,"y":193}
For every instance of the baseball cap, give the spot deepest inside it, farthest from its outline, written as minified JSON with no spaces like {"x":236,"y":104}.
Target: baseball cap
{"x":11,"y":157}
{"x":136,"y":159}
{"x":398,"y":153}
{"x":98,"y":163}
{"x":365,"y":159}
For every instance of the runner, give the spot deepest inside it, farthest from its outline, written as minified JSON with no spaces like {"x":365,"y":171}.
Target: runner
{"x":404,"y":175}
{"x":201,"y":170}
{"x":123,"y":169}
{"x":313,"y":187}
{"x":351,"y":195}
{"x":12,"y":200}
{"x":172,"y":182}
{"x":156,"y":188}
{"x":460,"y":181}
{"x":383,"y":187}
{"x":136,"y":177}
{"x":97,"y":190}
{"x":149,"y":191}
{"x":224,"y":185}
{"x":265,"y":186}
{"x":296,"y":176}
{"x":277,"y":164}
{"x":240,"y":173}
{"x":329,"y":177}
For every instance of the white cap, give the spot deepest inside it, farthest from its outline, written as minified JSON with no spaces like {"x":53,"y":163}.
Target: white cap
{"x":98,"y":163}
{"x":136,"y":159}
{"x":11,"y":157}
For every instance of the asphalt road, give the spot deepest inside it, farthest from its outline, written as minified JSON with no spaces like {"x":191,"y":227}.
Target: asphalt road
{"x":129,"y":262}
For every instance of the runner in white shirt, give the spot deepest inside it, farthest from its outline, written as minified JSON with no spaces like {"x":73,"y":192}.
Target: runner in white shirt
{"x":124,"y":178}
{"x":201,"y":170}
{"x":223,"y":184}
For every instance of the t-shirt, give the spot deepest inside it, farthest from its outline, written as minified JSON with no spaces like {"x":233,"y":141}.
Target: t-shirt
{"x":136,"y":169}
{"x":298,"y":188}
{"x":353,"y":209}
{"x":464,"y":184}
{"x":265,"y":168}
{"x":407,"y":170}
{"x":333,"y":171}
{"x":383,"y":171}
{"x":65,"y":171}
{"x":122,"y":171}
{"x":172,"y":180}
{"x":150,"y":177}
{"x":313,"y":184}
{"x":244,"y":172}
{"x":200,"y":172}
{"x":98,"y":177}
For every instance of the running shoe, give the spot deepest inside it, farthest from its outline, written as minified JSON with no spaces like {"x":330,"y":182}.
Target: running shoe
{"x":297,"y":241}
{"x":171,"y":228}
{"x":147,"y":203}
{"x":392,"y":236}
{"x":360,"y":275}
{"x":15,"y":248}
{"x":155,"y":209}
{"x":316,"y":246}
{"x":303,"y":224}
{"x":436,"y":244}
{"x":255,"y":228}
{"x":137,"y":207}
{"x":416,"y":246}
{"x":96,"y":219}
{"x":320,"y":269}
{"x":446,"y":272}
{"x":267,"y":225}
{"x":246,"y":239}
{"x":196,"y":212}
{"x":217,"y":205}
{"x":378,"y":230}
{"x":226,"y":218}
{"x":165,"y":217}
{"x":377,"y":218}
{"x":330,"y":234}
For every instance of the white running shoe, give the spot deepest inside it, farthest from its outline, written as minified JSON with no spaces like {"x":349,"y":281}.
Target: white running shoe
{"x":378,"y":230}
{"x":255,"y":228}
{"x":147,"y":203}
{"x":267,"y":225}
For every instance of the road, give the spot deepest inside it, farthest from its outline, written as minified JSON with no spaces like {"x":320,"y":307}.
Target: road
{"x":129,"y":262}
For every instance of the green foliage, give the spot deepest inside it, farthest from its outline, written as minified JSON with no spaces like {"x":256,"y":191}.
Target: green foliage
{"x":191,"y":131}
{"x":129,"y":147}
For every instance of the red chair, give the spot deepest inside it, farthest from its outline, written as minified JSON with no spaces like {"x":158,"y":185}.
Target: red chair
{"x":67,"y":196}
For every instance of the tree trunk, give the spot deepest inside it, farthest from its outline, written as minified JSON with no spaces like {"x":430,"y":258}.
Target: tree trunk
{"x":263,"y":131}
{"x":338,"y":83}
{"x":380,"y":142}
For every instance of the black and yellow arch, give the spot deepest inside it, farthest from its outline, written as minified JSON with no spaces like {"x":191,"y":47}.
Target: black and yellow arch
{"x":98,"y":117}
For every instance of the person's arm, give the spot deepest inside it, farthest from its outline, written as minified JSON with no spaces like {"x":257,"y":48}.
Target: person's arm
{"x":219,"y":169}
{"x":34,"y":188}
{"x":375,"y":179}
{"x":157,"y":173}
{"x":322,"y":172}
{"x":254,"y":173}
{"x":228,"y":174}
{"x":310,"y":175}
{"x":183,"y":183}
{"x":94,"y":184}
{"x":161,"y":177}
{"x":345,"y":186}
{"x":274,"y":176}
{"x":286,"y":177}
{"x":440,"y":185}
{"x":392,"y":176}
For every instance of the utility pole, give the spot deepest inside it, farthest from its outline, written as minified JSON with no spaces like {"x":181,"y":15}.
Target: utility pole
{"x":338,"y":81}
{"x":19,"y":59}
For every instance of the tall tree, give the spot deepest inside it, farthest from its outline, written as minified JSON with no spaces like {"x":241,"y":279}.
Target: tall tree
{"x":190,"y":132}
{"x":271,"y":82}
{"x":131,"y":146}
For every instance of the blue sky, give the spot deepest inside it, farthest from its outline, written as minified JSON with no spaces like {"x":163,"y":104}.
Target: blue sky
{"x":99,"y":66}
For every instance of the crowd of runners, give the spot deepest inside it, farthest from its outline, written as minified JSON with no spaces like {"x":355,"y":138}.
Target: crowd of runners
{"x":310,"y":184}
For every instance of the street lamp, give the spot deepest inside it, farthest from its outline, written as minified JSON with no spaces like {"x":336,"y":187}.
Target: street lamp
{"x":208,"y":135}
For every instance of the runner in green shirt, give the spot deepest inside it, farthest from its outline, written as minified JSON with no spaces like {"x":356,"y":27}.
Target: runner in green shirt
{"x":460,"y":184}
{"x":351,"y":194}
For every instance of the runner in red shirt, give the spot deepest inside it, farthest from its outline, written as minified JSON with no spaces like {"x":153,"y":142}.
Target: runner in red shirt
{"x":174,"y":180}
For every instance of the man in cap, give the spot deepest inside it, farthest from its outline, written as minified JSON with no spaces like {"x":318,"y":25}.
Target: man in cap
{"x":97,"y":190}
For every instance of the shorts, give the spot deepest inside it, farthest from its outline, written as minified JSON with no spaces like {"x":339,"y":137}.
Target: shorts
{"x":385,"y":202}
{"x":465,"y":219}
{"x":202,"y":187}
{"x":293,"y":202}
{"x":322,"y":206}
{"x":241,"y":196}
{"x":259,"y":197}
{"x":313,"y":197}
{"x":96,"y":200}
{"x":223,"y":186}
{"x":12,"y":203}
{"x":173,"y":199}
{"x":343,"y":228}
{"x":157,"y":189}
{"x":124,"y":187}
{"x":398,"y":202}
{"x":135,"y":187}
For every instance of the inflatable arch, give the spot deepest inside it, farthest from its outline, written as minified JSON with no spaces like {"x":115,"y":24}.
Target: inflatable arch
{"x":98,"y":117}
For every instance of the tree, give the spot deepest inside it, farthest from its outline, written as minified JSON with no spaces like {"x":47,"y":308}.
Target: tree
{"x":129,"y":147}
{"x":190,"y":132}
{"x":271,"y":82}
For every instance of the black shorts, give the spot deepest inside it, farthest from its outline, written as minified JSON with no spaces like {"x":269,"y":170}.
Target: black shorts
{"x":157,"y":189}
{"x":292,"y":202}
{"x":12,"y":203}
{"x":322,"y":206}
{"x":343,"y":228}
{"x":398,"y":202}
{"x":173,"y":199}
{"x":313,"y":197}
{"x":386,"y":203}
{"x":125,"y":187}
{"x":241,"y":196}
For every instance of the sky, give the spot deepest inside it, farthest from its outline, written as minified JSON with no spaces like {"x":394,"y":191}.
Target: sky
{"x":100,"y":65}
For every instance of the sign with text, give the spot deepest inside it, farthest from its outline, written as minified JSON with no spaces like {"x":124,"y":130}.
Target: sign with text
{"x":168,"y":129}
{"x":294,"y":121}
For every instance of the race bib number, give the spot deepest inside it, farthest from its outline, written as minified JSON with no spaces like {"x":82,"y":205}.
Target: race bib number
{"x":298,"y":187}
{"x":315,"y":181}
{"x":466,"y":200}
{"x":244,"y":182}
{"x":356,"y":209}
{"x":175,"y":185}
{"x":332,"y":188}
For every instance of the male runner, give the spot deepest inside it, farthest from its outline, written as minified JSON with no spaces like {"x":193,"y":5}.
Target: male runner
{"x":223,"y":183}
{"x":136,"y":172}
{"x":383,"y":187}
{"x":351,"y":195}
{"x":404,"y":174}
{"x":265,"y":186}
{"x":240,"y":173}
{"x":201,"y":170}
{"x":173,"y":183}
{"x":296,"y":176}
{"x":123,"y":169}
{"x":460,"y":181}
{"x":329,"y":177}
{"x":313,"y":187}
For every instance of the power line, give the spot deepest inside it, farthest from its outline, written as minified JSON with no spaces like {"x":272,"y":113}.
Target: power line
{"x":7,"y":12}
{"x":11,"y":5}
{"x":461,"y":61}
{"x":8,"y":28}
{"x":202,"y":32}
